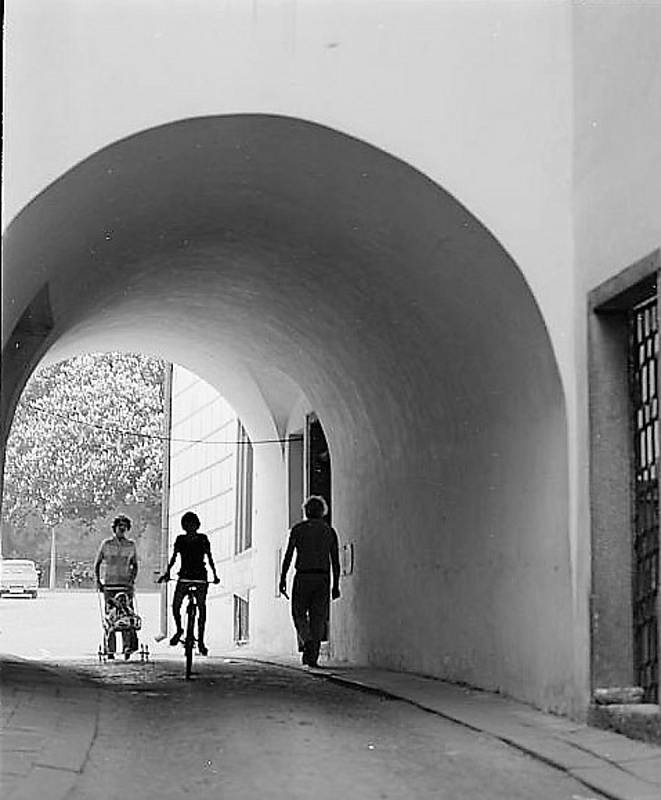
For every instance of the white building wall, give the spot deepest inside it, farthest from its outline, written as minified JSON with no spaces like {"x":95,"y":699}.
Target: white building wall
{"x":541,"y":118}
{"x":475,"y":95}
{"x":203,"y":480}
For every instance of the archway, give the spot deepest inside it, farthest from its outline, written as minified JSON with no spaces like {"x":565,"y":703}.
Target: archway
{"x":313,"y":269}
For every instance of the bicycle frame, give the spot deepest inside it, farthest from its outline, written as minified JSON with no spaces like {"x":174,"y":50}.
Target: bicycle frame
{"x":191,"y":587}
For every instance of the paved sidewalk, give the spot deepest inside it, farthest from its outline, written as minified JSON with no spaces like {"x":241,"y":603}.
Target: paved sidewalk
{"x":607,"y":762}
{"x":47,"y":734}
{"x":47,"y":726}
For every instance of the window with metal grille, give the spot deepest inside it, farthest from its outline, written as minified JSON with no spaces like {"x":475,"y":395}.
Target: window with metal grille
{"x":624,"y":474}
{"x":244,"y":492}
{"x":241,"y":619}
{"x":643,"y":382}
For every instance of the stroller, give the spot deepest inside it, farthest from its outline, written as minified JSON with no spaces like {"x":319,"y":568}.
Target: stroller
{"x":119,"y":615}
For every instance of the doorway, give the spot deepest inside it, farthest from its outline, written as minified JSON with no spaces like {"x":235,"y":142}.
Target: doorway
{"x":624,"y":420}
{"x":295,"y":477}
{"x":318,"y":462}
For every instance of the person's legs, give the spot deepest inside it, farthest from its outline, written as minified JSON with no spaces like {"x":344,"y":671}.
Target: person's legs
{"x":111,"y":641}
{"x":132,"y":643}
{"x":130,"y":636}
{"x":299,"y":610}
{"x":127,"y":643}
{"x":177,"y":600}
{"x":319,"y":609}
{"x":313,"y":647}
{"x":202,"y":617}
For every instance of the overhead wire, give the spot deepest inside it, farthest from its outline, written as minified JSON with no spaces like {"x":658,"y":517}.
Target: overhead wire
{"x":158,"y":437}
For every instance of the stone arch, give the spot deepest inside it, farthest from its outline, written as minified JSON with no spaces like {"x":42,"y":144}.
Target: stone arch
{"x":283,"y":259}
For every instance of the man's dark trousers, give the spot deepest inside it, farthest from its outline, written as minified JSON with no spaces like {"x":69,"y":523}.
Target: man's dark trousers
{"x":310,"y":605}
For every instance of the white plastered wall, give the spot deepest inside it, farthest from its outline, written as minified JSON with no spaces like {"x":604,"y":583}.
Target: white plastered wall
{"x":478,"y":97}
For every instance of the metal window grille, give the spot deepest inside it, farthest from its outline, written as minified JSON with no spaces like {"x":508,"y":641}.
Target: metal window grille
{"x":644,"y":352}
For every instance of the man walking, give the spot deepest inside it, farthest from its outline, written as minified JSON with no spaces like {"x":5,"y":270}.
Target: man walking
{"x":317,"y":554}
{"x":119,"y":557}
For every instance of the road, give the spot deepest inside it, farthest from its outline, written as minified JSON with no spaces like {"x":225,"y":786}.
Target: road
{"x":63,"y":625}
{"x":246,"y":730}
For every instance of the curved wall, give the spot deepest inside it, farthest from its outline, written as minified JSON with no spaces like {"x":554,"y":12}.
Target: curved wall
{"x":477,"y":96}
{"x":299,"y":261}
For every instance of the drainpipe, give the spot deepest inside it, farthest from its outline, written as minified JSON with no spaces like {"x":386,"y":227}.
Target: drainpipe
{"x":165,"y":500}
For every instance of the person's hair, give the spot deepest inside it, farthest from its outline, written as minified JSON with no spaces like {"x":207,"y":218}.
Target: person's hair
{"x":190,"y":520}
{"x":315,"y":507}
{"x":121,"y":518}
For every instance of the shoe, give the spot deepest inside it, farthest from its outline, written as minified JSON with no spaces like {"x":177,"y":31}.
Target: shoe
{"x":127,"y":655}
{"x":110,"y":656}
{"x":313,"y":654}
{"x":202,"y":650}
{"x":176,"y":638}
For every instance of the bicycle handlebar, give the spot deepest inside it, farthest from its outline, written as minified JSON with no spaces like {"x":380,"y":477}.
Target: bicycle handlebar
{"x":163,"y":579}
{"x":117,"y":586}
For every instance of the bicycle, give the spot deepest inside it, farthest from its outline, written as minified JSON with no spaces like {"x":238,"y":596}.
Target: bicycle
{"x":192,"y":605}
{"x":191,"y":613}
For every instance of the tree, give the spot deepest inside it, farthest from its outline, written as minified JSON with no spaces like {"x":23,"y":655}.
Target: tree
{"x":86,"y":439}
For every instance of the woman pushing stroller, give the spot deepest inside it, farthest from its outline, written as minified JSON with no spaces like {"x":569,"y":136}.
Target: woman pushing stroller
{"x":119,"y":558}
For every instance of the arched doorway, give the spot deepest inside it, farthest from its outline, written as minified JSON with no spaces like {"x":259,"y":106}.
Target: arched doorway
{"x":323,"y":275}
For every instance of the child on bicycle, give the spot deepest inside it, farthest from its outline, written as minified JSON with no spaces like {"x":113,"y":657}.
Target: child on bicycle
{"x":191,"y":547}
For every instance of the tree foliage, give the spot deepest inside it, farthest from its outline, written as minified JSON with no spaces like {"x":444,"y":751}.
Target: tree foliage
{"x":85,"y":439}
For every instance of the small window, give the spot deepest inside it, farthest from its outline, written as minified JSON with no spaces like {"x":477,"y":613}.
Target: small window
{"x":278,"y":570}
{"x":241,"y":620}
{"x":244,"y":491}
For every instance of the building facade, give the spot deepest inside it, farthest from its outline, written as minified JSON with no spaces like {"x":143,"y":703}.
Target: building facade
{"x":211,"y":474}
{"x":435,"y":227}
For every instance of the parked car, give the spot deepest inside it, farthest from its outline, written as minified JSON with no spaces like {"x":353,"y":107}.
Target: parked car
{"x":18,"y":576}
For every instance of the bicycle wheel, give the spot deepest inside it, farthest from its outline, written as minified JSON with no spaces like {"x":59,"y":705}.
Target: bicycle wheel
{"x":189,"y":644}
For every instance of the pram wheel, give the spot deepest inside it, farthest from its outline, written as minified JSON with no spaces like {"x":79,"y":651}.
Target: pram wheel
{"x":104,"y":654}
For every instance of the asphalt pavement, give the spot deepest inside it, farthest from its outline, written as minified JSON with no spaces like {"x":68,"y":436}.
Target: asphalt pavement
{"x":56,"y":707}
{"x":50,"y":722}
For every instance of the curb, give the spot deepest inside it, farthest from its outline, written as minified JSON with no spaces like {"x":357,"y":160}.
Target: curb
{"x":530,"y":751}
{"x":595,"y":773}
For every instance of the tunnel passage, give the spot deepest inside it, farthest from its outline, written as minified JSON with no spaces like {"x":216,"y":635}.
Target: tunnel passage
{"x":285,"y":262}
